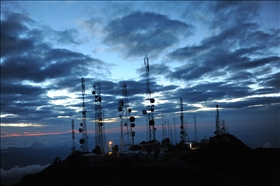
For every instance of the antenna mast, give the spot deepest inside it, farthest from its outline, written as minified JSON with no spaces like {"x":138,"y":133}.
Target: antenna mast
{"x":175,"y":136}
{"x":195,"y":130}
{"x":99,"y":124}
{"x":170,"y":133}
{"x":83,"y":130}
{"x":163,"y":127}
{"x":217,"y":132}
{"x":183,"y":131}
{"x":127,"y":135}
{"x":73,"y":149}
{"x":150,"y":110}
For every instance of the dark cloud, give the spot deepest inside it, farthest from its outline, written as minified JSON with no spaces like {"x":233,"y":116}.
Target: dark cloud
{"x":237,"y":57}
{"x":255,"y":102}
{"x":143,"y":33}
{"x":28,"y":57}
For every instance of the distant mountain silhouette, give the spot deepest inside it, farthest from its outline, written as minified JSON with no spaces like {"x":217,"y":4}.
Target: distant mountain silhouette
{"x":22,"y":157}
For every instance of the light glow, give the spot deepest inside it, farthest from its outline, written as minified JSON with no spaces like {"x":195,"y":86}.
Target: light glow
{"x":22,"y":125}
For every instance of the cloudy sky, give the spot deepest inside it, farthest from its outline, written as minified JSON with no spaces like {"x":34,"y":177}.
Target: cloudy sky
{"x":206,"y":53}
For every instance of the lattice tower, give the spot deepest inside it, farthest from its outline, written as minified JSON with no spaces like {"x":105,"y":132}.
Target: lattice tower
{"x":126,"y":123}
{"x":150,"y":122}
{"x":73,"y":149}
{"x":175,"y":133}
{"x":195,"y":130}
{"x":182,"y":127}
{"x":99,"y":124}
{"x":217,"y":132}
{"x":84,"y":140}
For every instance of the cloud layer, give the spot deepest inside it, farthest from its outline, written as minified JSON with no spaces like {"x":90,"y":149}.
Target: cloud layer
{"x":208,"y":53}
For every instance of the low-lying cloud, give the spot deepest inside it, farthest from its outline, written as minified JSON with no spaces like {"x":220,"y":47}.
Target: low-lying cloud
{"x":14,"y":175}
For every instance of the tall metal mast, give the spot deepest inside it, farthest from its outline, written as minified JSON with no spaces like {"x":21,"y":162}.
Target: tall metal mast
{"x":217,"y":132}
{"x":73,"y":149}
{"x":127,"y":122}
{"x":170,"y":133}
{"x":175,"y":136}
{"x":99,"y":124}
{"x":150,"y":122}
{"x":163,"y":127}
{"x":195,"y":130}
{"x":83,"y":130}
{"x":183,"y":130}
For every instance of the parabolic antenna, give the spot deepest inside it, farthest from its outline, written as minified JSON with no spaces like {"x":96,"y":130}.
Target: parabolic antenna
{"x":82,"y":141}
{"x":132,"y":119}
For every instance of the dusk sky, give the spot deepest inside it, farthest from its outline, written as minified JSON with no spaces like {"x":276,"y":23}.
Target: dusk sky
{"x":206,"y":53}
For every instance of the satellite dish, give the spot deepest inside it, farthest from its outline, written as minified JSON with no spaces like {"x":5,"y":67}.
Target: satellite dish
{"x":144,"y":112}
{"x":181,"y":127}
{"x":80,"y":130}
{"x":93,"y":92}
{"x":82,"y":141}
{"x":132,"y":119}
{"x":101,"y":124}
{"x":129,"y":110}
{"x":182,"y":132}
{"x":125,"y":124}
{"x":152,"y":100}
{"x":132,"y":124}
{"x":81,"y":124}
{"x":152,"y":122}
{"x":133,"y":133}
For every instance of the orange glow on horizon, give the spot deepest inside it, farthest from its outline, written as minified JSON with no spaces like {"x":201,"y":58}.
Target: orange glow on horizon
{"x":28,"y":134}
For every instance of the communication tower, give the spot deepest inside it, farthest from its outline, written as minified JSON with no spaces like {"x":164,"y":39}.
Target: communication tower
{"x":182,"y":127}
{"x":217,"y":132}
{"x":195,"y":130}
{"x":99,"y":124}
{"x":149,"y":112}
{"x":73,"y":149}
{"x":175,"y":136}
{"x":170,"y":132}
{"x":127,"y":122}
{"x":163,"y":127}
{"x":83,"y":129}
{"x":223,"y":127}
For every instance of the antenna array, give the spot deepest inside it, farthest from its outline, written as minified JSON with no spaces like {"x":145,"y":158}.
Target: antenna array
{"x":83,"y":130}
{"x":217,"y":132}
{"x":127,"y":122}
{"x":195,"y":130}
{"x":183,"y":130}
{"x":73,"y":149}
{"x":99,"y":124}
{"x":150,"y":122}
